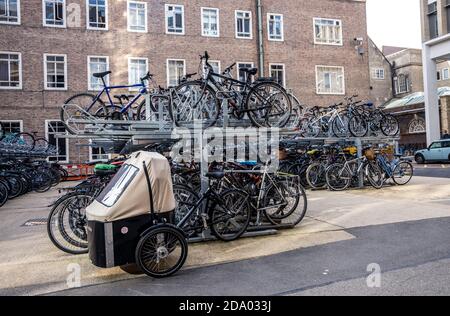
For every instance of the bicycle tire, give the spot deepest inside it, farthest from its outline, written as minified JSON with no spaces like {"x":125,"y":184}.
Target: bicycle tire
{"x":335,"y":179}
{"x":217,"y":224}
{"x":171,"y":236}
{"x":63,"y":113}
{"x":313,"y":180}
{"x":410,"y":166}
{"x":205,"y":89}
{"x":358,"y":121}
{"x":251,"y":113}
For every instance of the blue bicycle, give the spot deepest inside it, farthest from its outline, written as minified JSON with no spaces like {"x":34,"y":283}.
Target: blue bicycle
{"x":400,"y":171}
{"x":88,"y":107}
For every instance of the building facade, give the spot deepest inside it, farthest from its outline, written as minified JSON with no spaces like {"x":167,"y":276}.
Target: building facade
{"x":50,"y":48}
{"x":436,"y":50}
{"x":381,"y":88}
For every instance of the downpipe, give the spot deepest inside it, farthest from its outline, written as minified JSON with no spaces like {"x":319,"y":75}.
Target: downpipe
{"x":260,"y":38}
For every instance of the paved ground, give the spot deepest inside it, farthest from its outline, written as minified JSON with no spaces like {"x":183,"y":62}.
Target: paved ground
{"x":436,"y":170}
{"x":402,"y":229}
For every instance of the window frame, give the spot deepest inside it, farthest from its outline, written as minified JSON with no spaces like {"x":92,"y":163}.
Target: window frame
{"x":167,"y":68}
{"x":44,"y":20}
{"x":47,"y":133}
{"x":397,"y":84}
{"x":91,"y":154}
{"x":66,"y":79}
{"x":18,"y":16}
{"x":20,"y":86}
{"x":448,"y":74}
{"x":282,"y":27}
{"x":375,"y":71}
{"x":106,"y":18}
{"x":236,"y":25}
{"x":129,"y":72}
{"x":14,"y":121}
{"x":330,"y":93}
{"x":128,"y":16}
{"x":328,"y":44}
{"x":243,"y":63}
{"x":89,"y":69}
{"x":284,"y":71}
{"x":219,"y":64}
{"x":202,"y":21}
{"x":166,"y":17}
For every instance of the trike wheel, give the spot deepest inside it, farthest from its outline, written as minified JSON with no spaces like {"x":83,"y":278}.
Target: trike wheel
{"x":162,"y":251}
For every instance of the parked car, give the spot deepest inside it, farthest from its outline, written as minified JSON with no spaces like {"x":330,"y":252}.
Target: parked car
{"x":438,"y":151}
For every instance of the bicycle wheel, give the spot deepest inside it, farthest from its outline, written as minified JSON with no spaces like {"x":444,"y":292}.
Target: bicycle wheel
{"x":24,"y":140}
{"x":3,"y":194}
{"x":194,"y":102}
{"x":66,"y":224}
{"x":316,"y":175}
{"x":162,"y":251}
{"x":76,"y":108}
{"x":41,"y":145}
{"x":285,"y":202}
{"x":339,"y":125}
{"x":309,"y":129}
{"x":268,"y":105}
{"x":338,"y":177}
{"x":156,"y":101}
{"x":389,"y":125}
{"x":186,"y":200}
{"x":374,"y":175}
{"x":299,"y":169}
{"x":403,"y":173}
{"x":42,"y":180}
{"x":358,"y":126}
{"x":231,"y":219}
{"x":15,"y":185}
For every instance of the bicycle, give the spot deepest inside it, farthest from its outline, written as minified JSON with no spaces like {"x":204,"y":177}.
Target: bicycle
{"x":340,"y":176}
{"x":266,"y":103}
{"x":400,"y":171}
{"x":85,"y":106}
{"x":226,"y":213}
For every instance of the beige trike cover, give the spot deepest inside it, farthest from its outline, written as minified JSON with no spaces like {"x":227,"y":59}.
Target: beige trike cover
{"x":127,"y":194}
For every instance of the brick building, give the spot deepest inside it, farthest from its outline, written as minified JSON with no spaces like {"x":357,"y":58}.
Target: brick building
{"x":50,"y":48}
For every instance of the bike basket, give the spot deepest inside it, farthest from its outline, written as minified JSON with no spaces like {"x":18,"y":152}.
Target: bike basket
{"x":370,"y":154}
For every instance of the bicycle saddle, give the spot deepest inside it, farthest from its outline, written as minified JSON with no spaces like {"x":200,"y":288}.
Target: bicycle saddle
{"x":215,"y":175}
{"x":250,"y":71}
{"x":101,"y":74}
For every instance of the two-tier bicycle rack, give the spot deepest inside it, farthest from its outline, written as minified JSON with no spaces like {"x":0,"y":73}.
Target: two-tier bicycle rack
{"x":134,"y":135}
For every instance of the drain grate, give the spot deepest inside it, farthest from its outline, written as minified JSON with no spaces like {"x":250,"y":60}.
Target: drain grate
{"x":35,"y":222}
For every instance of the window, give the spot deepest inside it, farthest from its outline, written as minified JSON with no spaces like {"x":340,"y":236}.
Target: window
{"x":275,"y":26}
{"x":97,"y":64}
{"x":327,"y":31}
{"x":55,"y":68}
{"x":401,"y":84}
{"x":52,"y":129}
{"x":97,"y":14}
{"x":436,"y":145}
{"x":174,"y":19}
{"x":244,"y":24}
{"x":10,"y":70}
{"x":378,"y":73}
{"x":176,"y":70}
{"x":216,"y":66}
{"x":277,"y":72}
{"x":137,"y":16}
{"x":330,"y":80}
{"x":438,"y":76}
{"x":12,"y":127}
{"x":445,"y":74}
{"x":97,"y":154}
{"x":137,"y":68}
{"x":54,"y":12}
{"x":433,"y":20}
{"x":10,"y":11}
{"x":210,"y":22}
{"x":242,"y":75}
{"x":417,"y":126}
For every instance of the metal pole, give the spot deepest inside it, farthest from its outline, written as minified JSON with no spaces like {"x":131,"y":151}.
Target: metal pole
{"x":260,"y":38}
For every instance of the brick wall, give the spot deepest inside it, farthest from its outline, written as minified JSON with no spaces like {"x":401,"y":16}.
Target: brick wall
{"x":298,"y":52}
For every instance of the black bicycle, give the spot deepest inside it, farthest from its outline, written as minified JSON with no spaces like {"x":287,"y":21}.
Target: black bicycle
{"x":265,"y":102}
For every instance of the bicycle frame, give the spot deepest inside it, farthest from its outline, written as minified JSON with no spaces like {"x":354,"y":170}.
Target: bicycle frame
{"x":107,"y":89}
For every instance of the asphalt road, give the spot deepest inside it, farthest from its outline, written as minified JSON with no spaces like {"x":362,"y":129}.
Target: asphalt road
{"x":410,"y":264}
{"x":432,"y":170}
